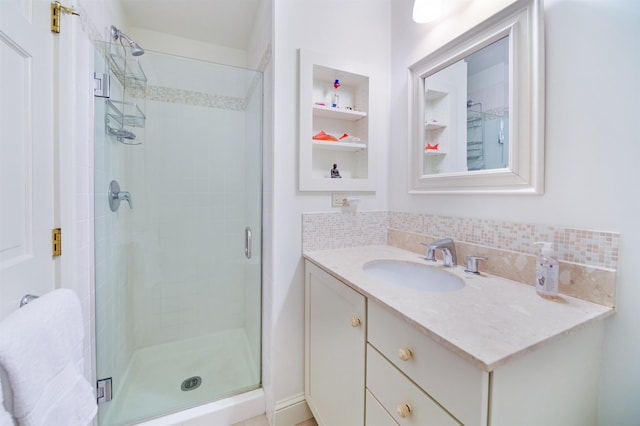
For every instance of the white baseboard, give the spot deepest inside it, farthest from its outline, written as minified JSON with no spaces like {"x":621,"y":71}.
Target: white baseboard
{"x":292,"y":411}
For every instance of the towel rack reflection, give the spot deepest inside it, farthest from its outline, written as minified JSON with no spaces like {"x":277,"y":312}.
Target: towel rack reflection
{"x":26,"y":299}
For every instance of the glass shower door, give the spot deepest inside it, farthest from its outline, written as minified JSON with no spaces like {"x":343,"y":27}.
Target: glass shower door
{"x":178,"y":298}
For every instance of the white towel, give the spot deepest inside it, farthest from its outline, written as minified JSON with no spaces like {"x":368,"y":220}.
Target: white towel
{"x":41,"y":350}
{"x":5,"y":418}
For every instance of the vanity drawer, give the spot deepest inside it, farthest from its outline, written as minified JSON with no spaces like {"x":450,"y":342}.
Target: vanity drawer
{"x":376,"y":415}
{"x":397,"y":393}
{"x":456,"y":384}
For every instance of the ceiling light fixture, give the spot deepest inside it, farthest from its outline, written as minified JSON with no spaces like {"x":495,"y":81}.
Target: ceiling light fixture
{"x":426,"y":10}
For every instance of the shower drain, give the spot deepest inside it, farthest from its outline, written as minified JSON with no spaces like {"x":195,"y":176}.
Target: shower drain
{"x":191,"y":383}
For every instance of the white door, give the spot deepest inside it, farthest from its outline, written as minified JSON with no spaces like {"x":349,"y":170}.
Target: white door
{"x":26,"y":151}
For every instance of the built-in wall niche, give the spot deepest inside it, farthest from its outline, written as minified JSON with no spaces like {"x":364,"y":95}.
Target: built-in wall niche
{"x":334,"y":125}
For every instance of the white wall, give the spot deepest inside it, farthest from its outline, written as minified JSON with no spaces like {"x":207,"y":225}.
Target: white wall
{"x":357,"y":30}
{"x":180,"y":46}
{"x":101,"y":14}
{"x":592,"y":151}
{"x":592,"y":62}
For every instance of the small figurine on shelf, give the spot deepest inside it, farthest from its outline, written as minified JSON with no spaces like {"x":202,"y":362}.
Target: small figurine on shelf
{"x":335,"y":173}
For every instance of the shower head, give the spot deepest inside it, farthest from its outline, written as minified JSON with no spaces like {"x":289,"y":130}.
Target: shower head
{"x":116,"y":34}
{"x":470,"y":104}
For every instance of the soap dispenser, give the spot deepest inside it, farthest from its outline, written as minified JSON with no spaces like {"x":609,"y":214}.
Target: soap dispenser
{"x":547,"y":271}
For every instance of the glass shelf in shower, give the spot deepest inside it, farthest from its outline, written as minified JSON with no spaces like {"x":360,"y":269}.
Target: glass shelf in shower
{"x":128,"y":71}
{"x":126,"y":114}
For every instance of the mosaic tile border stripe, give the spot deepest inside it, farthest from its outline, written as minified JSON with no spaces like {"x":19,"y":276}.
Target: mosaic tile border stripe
{"x":593,"y":248}
{"x":87,"y":25}
{"x":190,"y":97}
{"x":335,"y":229}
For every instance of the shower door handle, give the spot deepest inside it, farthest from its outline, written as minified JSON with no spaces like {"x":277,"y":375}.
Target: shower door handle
{"x":247,"y":242}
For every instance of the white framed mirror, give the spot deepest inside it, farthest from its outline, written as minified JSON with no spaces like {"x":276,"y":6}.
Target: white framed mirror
{"x":476,"y":111}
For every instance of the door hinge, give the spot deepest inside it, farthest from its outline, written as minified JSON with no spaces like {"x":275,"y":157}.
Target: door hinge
{"x":56,"y":242}
{"x":101,"y":85}
{"x":56,"y":9}
{"x":104,"y":390}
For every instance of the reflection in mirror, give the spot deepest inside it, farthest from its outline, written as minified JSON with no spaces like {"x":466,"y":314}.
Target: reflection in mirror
{"x":466,"y":111}
{"x":476,"y":108}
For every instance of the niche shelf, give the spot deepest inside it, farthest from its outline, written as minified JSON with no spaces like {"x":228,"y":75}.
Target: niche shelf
{"x":338,"y":113}
{"x":318,"y":73}
{"x":432,"y":125}
{"x":436,"y":129}
{"x":339,"y":146}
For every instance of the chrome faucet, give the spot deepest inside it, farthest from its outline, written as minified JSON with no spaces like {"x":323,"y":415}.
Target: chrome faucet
{"x":472,"y":264}
{"x":448,"y":248}
{"x":115,"y":196}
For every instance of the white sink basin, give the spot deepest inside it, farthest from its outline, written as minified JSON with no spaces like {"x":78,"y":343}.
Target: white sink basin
{"x":413,"y":275}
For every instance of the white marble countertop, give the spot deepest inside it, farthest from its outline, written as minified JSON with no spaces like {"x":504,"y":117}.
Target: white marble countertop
{"x":489,"y":321}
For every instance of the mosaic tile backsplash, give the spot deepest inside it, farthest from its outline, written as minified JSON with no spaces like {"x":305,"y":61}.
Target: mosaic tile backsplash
{"x":336,"y":230}
{"x":592,"y":248}
{"x":588,"y":258}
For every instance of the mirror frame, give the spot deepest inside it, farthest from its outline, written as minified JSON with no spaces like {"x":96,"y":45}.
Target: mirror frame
{"x":522,"y":22}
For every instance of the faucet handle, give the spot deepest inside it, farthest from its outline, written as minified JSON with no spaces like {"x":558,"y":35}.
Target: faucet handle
{"x":472,"y":264}
{"x":431,"y":253}
{"x":125,"y":196}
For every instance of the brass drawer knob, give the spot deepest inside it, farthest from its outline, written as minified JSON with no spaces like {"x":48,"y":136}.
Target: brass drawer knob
{"x":404,"y":410}
{"x":405,"y":354}
{"x":355,"y":322}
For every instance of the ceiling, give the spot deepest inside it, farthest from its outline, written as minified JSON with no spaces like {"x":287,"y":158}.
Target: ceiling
{"x":223,"y":22}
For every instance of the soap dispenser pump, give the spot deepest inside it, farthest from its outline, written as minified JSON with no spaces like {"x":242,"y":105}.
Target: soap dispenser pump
{"x":547,"y":271}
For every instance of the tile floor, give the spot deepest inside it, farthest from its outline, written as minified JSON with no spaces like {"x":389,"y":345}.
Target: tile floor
{"x":262,"y":421}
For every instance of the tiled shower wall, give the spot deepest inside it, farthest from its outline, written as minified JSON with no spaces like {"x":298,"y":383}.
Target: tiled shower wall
{"x":181,"y":243}
{"x":187,"y":265}
{"x":588,"y":258}
{"x":161,"y":269}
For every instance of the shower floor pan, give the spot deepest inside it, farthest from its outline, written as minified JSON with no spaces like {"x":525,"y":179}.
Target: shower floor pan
{"x":156,"y":375}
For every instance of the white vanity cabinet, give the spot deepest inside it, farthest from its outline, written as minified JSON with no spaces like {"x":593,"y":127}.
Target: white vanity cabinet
{"x":375,"y":414}
{"x":392,"y":372}
{"x":401,"y":398}
{"x":457,"y":385}
{"x":335,"y":323}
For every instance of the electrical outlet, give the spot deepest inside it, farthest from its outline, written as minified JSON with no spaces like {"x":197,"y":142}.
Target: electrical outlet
{"x":337,"y":199}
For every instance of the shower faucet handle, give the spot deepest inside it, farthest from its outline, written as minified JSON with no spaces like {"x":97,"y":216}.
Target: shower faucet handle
{"x":115,"y":196}
{"x":125,"y":196}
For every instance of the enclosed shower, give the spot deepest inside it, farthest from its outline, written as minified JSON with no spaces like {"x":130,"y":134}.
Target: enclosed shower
{"x":487,"y":138}
{"x":178,"y":214}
